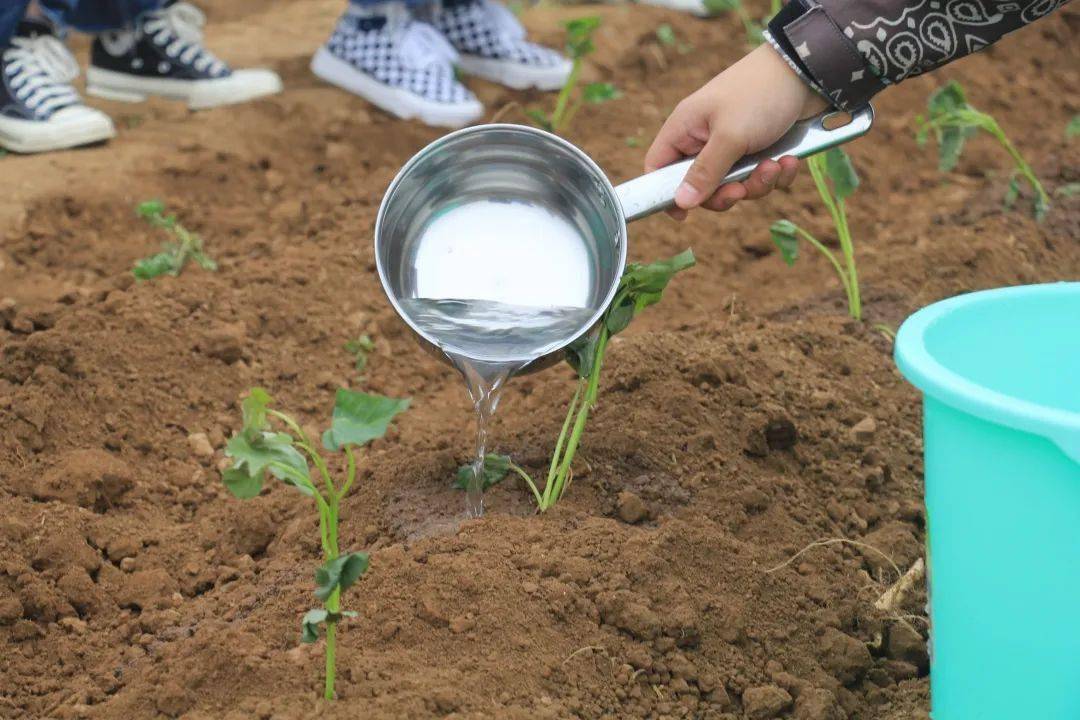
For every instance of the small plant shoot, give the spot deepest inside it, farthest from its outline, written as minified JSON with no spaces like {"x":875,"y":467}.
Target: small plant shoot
{"x":753,"y":29}
{"x":184,"y":245}
{"x":952,"y":120}
{"x":836,"y":180}
{"x":260,"y":449}
{"x":640,"y":287}
{"x":579,"y":45}
{"x":360,"y":349}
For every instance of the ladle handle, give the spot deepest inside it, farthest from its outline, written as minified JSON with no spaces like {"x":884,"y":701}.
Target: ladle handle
{"x":655,"y":191}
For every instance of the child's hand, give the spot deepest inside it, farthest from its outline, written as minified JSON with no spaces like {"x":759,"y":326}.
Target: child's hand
{"x":746,"y":108}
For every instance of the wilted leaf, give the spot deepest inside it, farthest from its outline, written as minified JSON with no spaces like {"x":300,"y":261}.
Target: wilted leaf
{"x":341,"y":572}
{"x":495,"y":469}
{"x":241,"y":483}
{"x":580,"y":355}
{"x":784,"y":235}
{"x":360,"y":418}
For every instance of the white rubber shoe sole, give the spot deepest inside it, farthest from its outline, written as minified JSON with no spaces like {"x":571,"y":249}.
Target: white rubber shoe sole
{"x":240,"y":86}
{"x":397,"y":102}
{"x":67,"y":128}
{"x":694,"y":7}
{"x":515,"y":75}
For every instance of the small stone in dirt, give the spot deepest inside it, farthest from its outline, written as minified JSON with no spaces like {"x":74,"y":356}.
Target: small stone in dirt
{"x":123,"y":546}
{"x":200,"y":446}
{"x":780,"y":434}
{"x":225,"y":343}
{"x":639,"y":657}
{"x":462,"y":624}
{"x":844,"y":657}
{"x":864,"y":430}
{"x":765,"y":702}
{"x":428,"y":610}
{"x":631,"y":508}
{"x":893,"y":541}
{"x":907,"y":645}
{"x":817,"y":704}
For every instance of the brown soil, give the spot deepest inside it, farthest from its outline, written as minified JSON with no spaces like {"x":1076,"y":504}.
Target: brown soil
{"x":133,"y":586}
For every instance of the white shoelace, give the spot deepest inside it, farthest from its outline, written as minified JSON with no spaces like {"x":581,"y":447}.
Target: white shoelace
{"x":41,"y":70}
{"x":421,"y":45}
{"x":178,"y":28}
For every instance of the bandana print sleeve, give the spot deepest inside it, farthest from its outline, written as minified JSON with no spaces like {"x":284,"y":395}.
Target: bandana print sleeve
{"x":852,"y":49}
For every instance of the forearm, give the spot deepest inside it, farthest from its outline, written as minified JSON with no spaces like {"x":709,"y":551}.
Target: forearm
{"x":852,"y":49}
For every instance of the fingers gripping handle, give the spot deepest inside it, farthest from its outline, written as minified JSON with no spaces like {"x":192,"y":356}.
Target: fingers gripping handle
{"x":651,"y":193}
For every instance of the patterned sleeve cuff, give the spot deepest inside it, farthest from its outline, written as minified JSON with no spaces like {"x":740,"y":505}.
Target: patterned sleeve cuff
{"x":782,"y":52}
{"x":830,"y":57}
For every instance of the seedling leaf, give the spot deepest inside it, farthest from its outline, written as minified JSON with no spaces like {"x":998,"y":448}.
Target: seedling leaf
{"x":495,"y":469}
{"x":149,"y":208}
{"x":1012,"y":192}
{"x":257,"y":452}
{"x":666,"y":35}
{"x":784,"y":236}
{"x":360,"y":418}
{"x":842,"y":173}
{"x":253,"y":409}
{"x":600,"y":92}
{"x":313,"y":619}
{"x":242,"y":484}
{"x":163,"y":263}
{"x":579,"y":36}
{"x":580,"y":355}
{"x":1073,"y":128}
{"x":340,"y":572}
{"x":359,"y":349}
{"x":540,"y":118}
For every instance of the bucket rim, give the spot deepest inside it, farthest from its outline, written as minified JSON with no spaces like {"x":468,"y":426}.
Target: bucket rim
{"x":929,"y":375}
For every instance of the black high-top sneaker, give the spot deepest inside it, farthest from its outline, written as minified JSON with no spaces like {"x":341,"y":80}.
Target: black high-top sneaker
{"x":163,"y":55}
{"x":39,"y":109}
{"x":404,"y":66}
{"x":492,"y":45}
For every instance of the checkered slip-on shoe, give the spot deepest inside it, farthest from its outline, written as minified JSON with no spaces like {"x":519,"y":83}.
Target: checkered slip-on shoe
{"x":39,"y":109}
{"x":163,"y":55}
{"x":492,"y":45}
{"x":398,"y":63}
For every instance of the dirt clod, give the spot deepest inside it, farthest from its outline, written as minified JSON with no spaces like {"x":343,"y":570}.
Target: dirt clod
{"x":845,"y":657}
{"x":765,"y":702}
{"x":632,"y":508}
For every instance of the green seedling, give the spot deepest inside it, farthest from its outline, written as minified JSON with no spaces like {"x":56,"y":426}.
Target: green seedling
{"x":952,"y":120}
{"x":360,"y":349}
{"x":177,"y":252}
{"x":259,"y":449}
{"x":665,"y":35}
{"x":639,"y":287}
{"x":754,"y":30}
{"x":579,"y":45}
{"x":835,"y":179}
{"x":1073,"y":128}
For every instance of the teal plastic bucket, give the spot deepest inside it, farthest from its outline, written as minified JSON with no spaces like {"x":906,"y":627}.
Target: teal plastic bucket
{"x":1000,"y":376}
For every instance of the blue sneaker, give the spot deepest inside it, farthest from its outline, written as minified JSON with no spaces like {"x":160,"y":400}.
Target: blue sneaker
{"x":399,"y":64}
{"x":39,"y":108}
{"x":492,"y":45}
